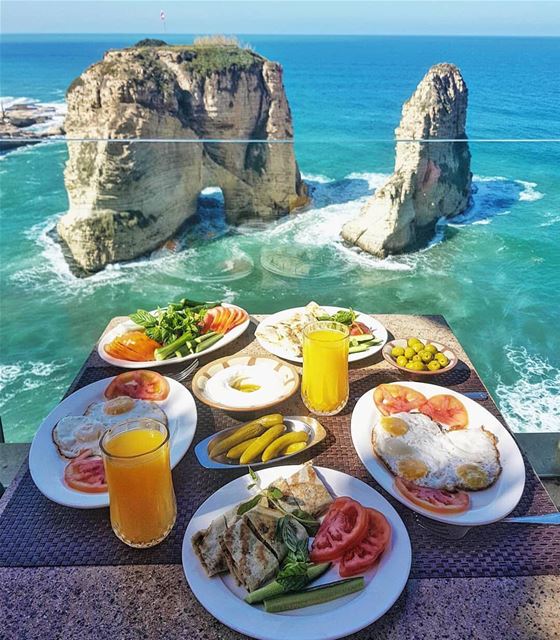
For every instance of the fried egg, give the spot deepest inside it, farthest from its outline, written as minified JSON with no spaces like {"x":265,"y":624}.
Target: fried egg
{"x":73,"y":435}
{"x":117,"y":410}
{"x":420,"y":450}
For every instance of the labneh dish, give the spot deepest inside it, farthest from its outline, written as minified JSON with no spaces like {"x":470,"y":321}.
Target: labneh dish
{"x":276,"y":543}
{"x":429,"y":446}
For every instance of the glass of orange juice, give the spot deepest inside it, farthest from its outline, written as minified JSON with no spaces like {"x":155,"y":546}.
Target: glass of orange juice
{"x":141,"y":498}
{"x":324,"y":385}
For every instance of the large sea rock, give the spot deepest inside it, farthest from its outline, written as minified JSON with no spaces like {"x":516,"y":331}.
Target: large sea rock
{"x":127,"y":198}
{"x":431,"y":179}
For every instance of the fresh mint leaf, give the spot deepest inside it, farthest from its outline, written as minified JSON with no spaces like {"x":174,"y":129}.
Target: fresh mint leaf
{"x":310,"y":523}
{"x":286,"y":532}
{"x":293,"y":576}
{"x":247,"y":506}
{"x":274,"y":493}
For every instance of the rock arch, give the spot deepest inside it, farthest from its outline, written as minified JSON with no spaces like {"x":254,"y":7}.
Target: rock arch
{"x":128,"y":196}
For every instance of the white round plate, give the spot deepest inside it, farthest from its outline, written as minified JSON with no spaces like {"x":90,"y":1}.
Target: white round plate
{"x":47,"y":465}
{"x":128,"y":325}
{"x":221,"y":597}
{"x":488,"y":505}
{"x":377,"y":329}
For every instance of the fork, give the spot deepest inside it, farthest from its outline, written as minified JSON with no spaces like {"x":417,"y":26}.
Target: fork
{"x":186,"y":372}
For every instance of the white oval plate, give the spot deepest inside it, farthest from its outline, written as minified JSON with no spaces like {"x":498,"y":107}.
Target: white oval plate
{"x":377,"y":329}
{"x":488,"y":505}
{"x":47,"y":465}
{"x":222,"y":598}
{"x":128,"y":325}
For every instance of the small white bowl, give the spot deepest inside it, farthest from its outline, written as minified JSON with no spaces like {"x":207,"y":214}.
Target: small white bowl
{"x":287,"y":375}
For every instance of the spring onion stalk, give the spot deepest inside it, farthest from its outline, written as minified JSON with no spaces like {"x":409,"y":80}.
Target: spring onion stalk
{"x":165,"y":352}
{"x":273,"y":589}
{"x":201,"y":346}
{"x":315,"y":595}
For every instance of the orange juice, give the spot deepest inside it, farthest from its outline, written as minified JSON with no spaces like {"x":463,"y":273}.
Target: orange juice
{"x":324,"y":385}
{"x":141,"y":498}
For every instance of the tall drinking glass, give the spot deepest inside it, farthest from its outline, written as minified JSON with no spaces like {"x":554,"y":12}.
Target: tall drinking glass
{"x":324,"y":385}
{"x":141,"y":497}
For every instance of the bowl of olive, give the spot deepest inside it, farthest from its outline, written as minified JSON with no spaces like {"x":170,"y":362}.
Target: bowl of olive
{"x":419,"y":356}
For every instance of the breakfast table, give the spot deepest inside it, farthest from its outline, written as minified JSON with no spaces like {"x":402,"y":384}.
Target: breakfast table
{"x":63,"y":573}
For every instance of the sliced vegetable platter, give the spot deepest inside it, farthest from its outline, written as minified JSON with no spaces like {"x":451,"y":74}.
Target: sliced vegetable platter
{"x":47,"y":466}
{"x":487,"y":505}
{"x":346,"y":316}
{"x":179,"y":332}
{"x":222,"y":598}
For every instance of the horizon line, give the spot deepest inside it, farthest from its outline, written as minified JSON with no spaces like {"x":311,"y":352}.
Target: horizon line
{"x":307,"y":35}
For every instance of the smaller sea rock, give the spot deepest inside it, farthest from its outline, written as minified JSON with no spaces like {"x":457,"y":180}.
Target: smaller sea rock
{"x":432,"y":177}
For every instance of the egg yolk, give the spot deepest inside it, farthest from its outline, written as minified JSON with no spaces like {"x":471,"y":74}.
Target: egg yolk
{"x":473,"y":476}
{"x":115,"y":407}
{"x":412,"y":469}
{"x":394,"y":426}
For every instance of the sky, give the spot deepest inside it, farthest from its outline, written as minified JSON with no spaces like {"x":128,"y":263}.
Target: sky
{"x":313,"y":17}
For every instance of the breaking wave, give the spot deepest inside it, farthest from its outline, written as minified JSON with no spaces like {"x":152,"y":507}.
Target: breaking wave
{"x":532,"y":402}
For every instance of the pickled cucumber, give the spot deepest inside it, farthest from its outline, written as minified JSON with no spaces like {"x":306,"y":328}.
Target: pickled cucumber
{"x":294,"y":448}
{"x":249,"y":430}
{"x":274,"y":449}
{"x":255,"y":449}
{"x":235,"y":452}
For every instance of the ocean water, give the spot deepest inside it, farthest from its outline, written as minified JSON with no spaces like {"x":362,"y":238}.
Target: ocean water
{"x":493,"y":272}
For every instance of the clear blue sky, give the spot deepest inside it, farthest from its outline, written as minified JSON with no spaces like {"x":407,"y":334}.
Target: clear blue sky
{"x":412,"y":17}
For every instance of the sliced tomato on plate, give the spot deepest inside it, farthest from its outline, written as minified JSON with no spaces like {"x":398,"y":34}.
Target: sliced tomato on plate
{"x":394,"y":398}
{"x":344,"y":525}
{"x":359,"y":328}
{"x":209,"y":319}
{"x":436,"y":500}
{"x":447,"y":410}
{"x":86,"y":473}
{"x":140,"y":384}
{"x":365,"y":554}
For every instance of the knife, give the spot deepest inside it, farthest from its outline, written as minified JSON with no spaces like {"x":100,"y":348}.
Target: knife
{"x":548,"y":518}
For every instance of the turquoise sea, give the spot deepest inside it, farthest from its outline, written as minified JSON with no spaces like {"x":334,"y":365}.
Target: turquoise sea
{"x":493,"y":272}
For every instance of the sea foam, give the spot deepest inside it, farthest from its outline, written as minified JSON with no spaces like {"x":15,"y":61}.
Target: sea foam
{"x":532,"y":403}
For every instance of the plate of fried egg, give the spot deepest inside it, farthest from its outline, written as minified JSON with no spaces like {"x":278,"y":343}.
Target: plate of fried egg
{"x":66,"y":445}
{"x":438,"y":452}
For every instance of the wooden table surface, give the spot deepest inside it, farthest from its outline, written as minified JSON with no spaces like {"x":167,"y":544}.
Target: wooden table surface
{"x":141,"y":601}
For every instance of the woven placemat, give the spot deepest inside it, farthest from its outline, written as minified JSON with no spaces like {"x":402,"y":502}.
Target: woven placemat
{"x":35,"y":532}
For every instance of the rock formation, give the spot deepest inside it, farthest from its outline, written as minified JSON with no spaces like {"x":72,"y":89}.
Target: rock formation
{"x":127,"y":198}
{"x":431,"y":179}
{"x":28,"y":123}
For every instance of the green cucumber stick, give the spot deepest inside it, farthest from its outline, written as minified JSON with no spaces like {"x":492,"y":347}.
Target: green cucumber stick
{"x":313,"y":596}
{"x":274,"y":588}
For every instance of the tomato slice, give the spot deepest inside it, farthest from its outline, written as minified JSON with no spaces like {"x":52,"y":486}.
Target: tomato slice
{"x":365,"y":554}
{"x":446,"y":409}
{"x":436,"y":500}
{"x":209,"y":318}
{"x":359,"y":328}
{"x":344,"y":525}
{"x":140,"y":384}
{"x":86,"y":473}
{"x":394,"y":398}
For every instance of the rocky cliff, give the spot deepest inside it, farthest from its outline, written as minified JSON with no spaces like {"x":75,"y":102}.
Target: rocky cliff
{"x":127,"y":198}
{"x":430,"y":180}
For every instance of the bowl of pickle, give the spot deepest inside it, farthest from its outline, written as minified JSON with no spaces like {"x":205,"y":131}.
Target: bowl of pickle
{"x":420,"y":356}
